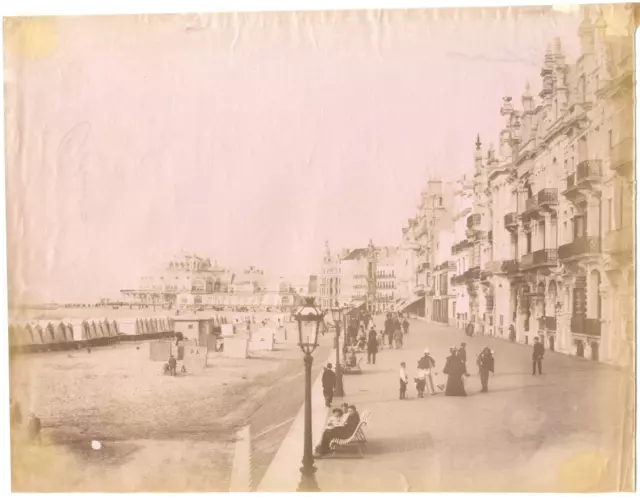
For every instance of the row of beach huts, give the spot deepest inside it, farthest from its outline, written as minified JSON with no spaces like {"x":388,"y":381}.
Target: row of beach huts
{"x":40,"y":336}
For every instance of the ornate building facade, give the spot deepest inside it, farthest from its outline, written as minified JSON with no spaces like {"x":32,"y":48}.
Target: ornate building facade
{"x":543,"y":231}
{"x":556,"y":261}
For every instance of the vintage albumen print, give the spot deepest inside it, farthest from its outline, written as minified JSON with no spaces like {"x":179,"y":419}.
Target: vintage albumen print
{"x":337,"y":251}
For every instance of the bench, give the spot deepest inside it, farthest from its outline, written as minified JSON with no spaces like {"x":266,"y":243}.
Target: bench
{"x":346,"y":369}
{"x":357,"y":439}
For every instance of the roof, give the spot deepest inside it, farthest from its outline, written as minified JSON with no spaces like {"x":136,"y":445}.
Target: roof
{"x":355,"y":254}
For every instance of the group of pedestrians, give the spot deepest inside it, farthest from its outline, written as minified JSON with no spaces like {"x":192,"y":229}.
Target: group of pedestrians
{"x":395,"y":327}
{"x":455,"y":369}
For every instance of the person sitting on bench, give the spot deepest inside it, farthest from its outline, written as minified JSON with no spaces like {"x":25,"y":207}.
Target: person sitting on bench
{"x":343,"y":431}
{"x":353,"y":360}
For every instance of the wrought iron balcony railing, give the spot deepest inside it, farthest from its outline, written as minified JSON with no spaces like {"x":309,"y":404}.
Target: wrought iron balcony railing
{"x":580,"y":246}
{"x":581,"y":325}
{"x":526,"y":260}
{"x":545,"y":256}
{"x":473,"y":221}
{"x":511,"y":220}
{"x":547,"y":196}
{"x":510,"y":266}
{"x":589,"y":170}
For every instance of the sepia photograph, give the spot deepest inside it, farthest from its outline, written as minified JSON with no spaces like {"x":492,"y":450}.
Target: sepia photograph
{"x":348,"y":250}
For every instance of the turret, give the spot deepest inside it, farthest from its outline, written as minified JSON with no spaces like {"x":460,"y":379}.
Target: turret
{"x":478,"y":155}
{"x":506,"y":110}
{"x":547,"y":76}
{"x":586,"y":32}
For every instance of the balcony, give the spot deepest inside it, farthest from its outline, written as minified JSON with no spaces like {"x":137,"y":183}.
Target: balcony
{"x":589,"y":171}
{"x":423,"y":266}
{"x":547,"y":323}
{"x":510,"y":266}
{"x":547,"y":197}
{"x":493,"y":267}
{"x":526,"y":261}
{"x":461,"y":246}
{"x":541,"y":201}
{"x":579,"y":247}
{"x":511,"y":221}
{"x":473,"y":221}
{"x":622,"y":157}
{"x":545,"y":257}
{"x":419,"y":290}
{"x":581,"y":325}
{"x":619,"y":241}
{"x":472,"y":273}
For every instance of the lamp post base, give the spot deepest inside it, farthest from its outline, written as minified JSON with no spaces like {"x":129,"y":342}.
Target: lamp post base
{"x":338,"y":391}
{"x":308,"y":481}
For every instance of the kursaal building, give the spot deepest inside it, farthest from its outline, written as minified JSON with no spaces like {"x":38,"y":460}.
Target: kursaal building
{"x":188,"y":280}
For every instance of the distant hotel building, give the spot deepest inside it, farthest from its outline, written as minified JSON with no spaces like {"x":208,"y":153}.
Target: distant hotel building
{"x":189,"y":280}
{"x":360,"y":277}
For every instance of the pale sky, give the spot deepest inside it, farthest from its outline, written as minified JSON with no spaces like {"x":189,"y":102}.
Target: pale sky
{"x":250,"y":139}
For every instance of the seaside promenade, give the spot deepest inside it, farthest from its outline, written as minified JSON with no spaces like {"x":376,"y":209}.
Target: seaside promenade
{"x":562,"y":431}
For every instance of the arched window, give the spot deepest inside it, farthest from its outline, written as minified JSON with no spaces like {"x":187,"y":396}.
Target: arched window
{"x":594,"y":310}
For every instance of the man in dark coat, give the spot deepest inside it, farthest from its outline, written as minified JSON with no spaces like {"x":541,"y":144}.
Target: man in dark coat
{"x":341,"y":432}
{"x":366,"y":319}
{"x":469,"y":329}
{"x":485,"y":364}
{"x":538,"y":354}
{"x":372,"y":346}
{"x":388,"y":329}
{"x":328,"y":384}
{"x":405,"y":325}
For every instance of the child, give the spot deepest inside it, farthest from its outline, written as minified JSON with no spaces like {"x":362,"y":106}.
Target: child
{"x":398,"y":336}
{"x":421,"y":382}
{"x":336,"y":418}
{"x":403,"y":380}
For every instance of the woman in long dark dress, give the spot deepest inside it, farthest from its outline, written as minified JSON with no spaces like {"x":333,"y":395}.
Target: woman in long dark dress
{"x":454,"y":369}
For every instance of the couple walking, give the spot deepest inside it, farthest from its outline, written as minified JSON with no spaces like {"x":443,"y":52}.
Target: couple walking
{"x":456,"y":368}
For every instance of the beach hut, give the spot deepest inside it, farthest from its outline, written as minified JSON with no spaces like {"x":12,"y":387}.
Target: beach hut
{"x":128,"y":327}
{"x":60,"y":333}
{"x":95,"y":332}
{"x":15,"y":338}
{"x":69,"y":333}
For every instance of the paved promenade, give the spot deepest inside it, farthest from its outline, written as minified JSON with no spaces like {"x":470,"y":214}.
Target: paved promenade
{"x":558,"y":432}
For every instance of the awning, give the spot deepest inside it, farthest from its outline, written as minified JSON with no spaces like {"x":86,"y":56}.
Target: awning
{"x":356,"y":304}
{"x":410,"y":304}
{"x":398,"y":305}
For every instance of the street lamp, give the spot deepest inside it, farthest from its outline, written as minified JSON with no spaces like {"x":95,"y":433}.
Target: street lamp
{"x":336,"y":315}
{"x":309,"y":319}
